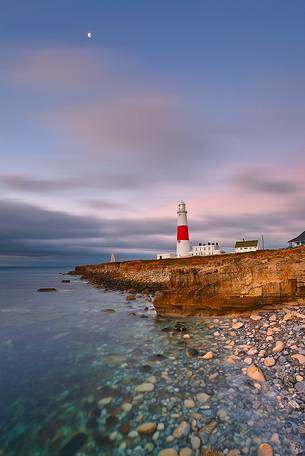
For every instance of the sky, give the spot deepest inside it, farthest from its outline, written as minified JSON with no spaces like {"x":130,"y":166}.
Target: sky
{"x":170,"y":100}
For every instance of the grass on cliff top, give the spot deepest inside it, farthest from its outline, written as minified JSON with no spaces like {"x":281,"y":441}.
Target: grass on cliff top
{"x":205,"y":259}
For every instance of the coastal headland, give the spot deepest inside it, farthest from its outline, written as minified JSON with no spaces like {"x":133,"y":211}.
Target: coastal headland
{"x":214,"y":285}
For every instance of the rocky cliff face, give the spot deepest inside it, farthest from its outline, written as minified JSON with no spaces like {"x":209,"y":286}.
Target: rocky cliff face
{"x":209,"y":285}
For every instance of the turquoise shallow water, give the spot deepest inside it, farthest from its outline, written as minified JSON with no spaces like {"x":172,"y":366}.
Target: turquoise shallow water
{"x":69,"y":368}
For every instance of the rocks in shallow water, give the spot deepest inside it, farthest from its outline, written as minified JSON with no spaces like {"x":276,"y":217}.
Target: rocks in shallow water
{"x":186,"y":452}
{"x":111,"y":421}
{"x":209,"y":427}
{"x":65,"y":281}
{"x":146,"y":368}
{"x":180,"y":327}
{"x":147,"y":428}
{"x":202,"y":397}
{"x":168,"y":452}
{"x":108,"y":310}
{"x":210,"y":452}
{"x":130,"y":298}
{"x":46,"y":290}
{"x":166,"y":329}
{"x":192,"y":352}
{"x":264,"y":449}
{"x":102,"y":440}
{"x":145,"y":388}
{"x":157,"y":357}
{"x":182,"y":430}
{"x":74,"y":444}
{"x":208,"y":355}
{"x":195,"y":441}
{"x":105,"y":401}
{"x":93,"y":416}
{"x":189,"y":403}
{"x":127,"y":407}
{"x":255,"y":373}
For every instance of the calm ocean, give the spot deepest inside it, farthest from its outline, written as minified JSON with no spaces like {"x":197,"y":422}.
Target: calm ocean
{"x":69,"y":367}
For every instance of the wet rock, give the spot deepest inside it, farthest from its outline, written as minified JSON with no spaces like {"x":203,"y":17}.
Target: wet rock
{"x":237,"y":325}
{"x":157,"y":357}
{"x":108,"y":310}
{"x":182,"y":430}
{"x":126,"y":407}
{"x":168,"y":452}
{"x":46,"y":290}
{"x":186,"y":452}
{"x":102,"y":440}
{"x":146,"y":369}
{"x":202,"y":397}
{"x":209,"y":427}
{"x":130,"y":298}
{"x":192,"y":352}
{"x":279,"y":347}
{"x":145,"y":388}
{"x":133,"y":435}
{"x":299,"y":357}
{"x":300,"y":387}
{"x":210,"y":452}
{"x":111,"y":421}
{"x":255,"y":316}
{"x":231,"y":359}
{"x":65,"y":281}
{"x":74,"y":444}
{"x":269,"y":361}
{"x":255,"y":373}
{"x":125,"y":428}
{"x":166,"y":329}
{"x":180,"y":327}
{"x":105,"y":401}
{"x":147,"y":428}
{"x":93,"y":416}
{"x":264,"y":449}
{"x":208,"y":355}
{"x":189,"y":403}
{"x":195,"y":441}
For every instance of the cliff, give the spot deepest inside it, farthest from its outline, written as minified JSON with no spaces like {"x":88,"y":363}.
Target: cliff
{"x":209,"y":285}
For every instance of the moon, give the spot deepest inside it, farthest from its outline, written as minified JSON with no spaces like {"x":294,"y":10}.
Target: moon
{"x":89,"y":34}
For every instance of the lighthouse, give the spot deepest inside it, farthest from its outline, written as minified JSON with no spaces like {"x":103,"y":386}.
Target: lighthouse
{"x":183,"y":240}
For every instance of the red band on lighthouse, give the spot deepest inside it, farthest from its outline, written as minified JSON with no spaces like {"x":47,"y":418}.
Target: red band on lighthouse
{"x":182,"y":233}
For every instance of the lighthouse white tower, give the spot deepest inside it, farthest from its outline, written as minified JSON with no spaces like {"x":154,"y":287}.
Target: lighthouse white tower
{"x":183,"y":240}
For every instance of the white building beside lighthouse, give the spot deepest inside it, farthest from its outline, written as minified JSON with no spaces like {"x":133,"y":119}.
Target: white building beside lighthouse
{"x":183,"y":245}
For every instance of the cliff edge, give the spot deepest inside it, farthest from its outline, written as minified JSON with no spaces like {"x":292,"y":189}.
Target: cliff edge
{"x":211,"y":285}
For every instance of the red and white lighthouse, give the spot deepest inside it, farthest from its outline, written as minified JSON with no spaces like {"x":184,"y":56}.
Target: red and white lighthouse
{"x":183,"y":240}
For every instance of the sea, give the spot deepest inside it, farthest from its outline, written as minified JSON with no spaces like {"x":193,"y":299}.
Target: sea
{"x":82,"y":369}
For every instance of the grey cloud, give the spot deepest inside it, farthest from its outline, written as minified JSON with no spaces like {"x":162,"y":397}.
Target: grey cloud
{"x":25,"y":183}
{"x":258,"y":181}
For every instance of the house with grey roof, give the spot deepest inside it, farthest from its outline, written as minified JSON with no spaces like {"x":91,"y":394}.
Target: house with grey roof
{"x":298,"y":241}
